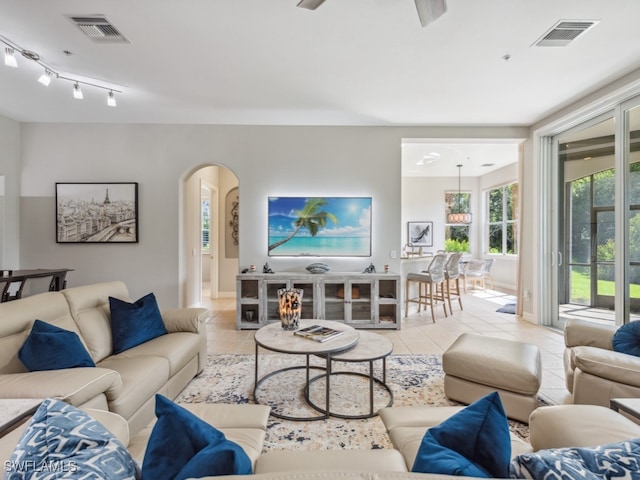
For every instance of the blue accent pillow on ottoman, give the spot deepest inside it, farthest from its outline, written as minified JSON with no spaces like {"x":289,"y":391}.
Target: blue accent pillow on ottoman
{"x":627,"y":339}
{"x":135,"y":323}
{"x":474,"y":442}
{"x":62,"y":441}
{"x":183,"y":446}
{"x":51,"y":348}
{"x":612,"y":461}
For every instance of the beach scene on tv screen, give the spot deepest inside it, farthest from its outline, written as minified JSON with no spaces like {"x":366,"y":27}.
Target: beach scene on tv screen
{"x":319,"y":226}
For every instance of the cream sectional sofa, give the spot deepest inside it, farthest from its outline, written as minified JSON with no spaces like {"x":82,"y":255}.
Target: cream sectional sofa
{"x":125,"y":383}
{"x":550,"y":427}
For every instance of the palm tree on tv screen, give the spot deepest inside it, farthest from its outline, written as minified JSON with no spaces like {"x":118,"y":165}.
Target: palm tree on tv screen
{"x":311,"y":218}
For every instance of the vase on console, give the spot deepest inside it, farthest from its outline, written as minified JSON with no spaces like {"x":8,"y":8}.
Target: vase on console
{"x":290,"y":307}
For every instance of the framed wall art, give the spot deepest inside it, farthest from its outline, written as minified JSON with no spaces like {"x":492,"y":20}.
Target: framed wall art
{"x":420,"y":234}
{"x":97,"y":212}
{"x":319,"y":226}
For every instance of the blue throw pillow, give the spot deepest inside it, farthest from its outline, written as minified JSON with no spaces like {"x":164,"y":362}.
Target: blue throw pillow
{"x":62,"y":441}
{"x":183,"y":446}
{"x":135,"y":323}
{"x":51,"y":348}
{"x":627,"y":339}
{"x":474,"y":442}
{"x":611,"y":461}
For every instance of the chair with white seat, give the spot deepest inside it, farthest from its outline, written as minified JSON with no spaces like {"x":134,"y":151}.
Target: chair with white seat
{"x":432,"y":281}
{"x":488,"y":263}
{"x":452,"y":279}
{"x":474,"y":272}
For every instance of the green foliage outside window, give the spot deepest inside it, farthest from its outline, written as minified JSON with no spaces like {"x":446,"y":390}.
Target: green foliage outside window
{"x":205,"y":218}
{"x":503,"y":219}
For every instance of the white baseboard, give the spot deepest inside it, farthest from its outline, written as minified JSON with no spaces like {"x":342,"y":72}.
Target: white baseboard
{"x":226,"y":294}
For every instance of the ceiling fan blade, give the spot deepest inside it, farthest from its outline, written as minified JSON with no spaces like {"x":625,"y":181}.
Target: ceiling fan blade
{"x":310,"y":4}
{"x":430,"y":10}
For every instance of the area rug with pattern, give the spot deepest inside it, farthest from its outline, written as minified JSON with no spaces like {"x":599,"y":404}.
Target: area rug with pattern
{"x":412,"y":380}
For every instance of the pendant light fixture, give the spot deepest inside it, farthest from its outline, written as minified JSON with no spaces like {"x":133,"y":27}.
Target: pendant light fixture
{"x":459,"y":217}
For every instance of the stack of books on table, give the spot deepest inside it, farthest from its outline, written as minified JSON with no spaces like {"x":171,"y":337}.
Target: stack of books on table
{"x":318,"y":333}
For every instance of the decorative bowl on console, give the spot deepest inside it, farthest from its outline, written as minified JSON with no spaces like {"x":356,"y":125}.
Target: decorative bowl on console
{"x":318,"y":268}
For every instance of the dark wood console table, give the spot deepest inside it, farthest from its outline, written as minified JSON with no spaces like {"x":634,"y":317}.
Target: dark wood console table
{"x":20,"y":277}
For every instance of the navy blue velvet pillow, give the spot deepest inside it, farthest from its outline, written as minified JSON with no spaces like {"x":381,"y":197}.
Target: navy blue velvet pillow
{"x":51,"y":348}
{"x":182,"y":446}
{"x":135,"y":323}
{"x":627,"y":339}
{"x":474,"y":442}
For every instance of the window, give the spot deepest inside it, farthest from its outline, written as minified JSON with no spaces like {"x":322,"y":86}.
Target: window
{"x":205,"y":210}
{"x":456,"y":235}
{"x":502,"y":205}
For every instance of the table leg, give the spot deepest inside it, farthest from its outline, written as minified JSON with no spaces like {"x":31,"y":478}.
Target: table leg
{"x":256,"y":372}
{"x":328,"y":370}
{"x":371,"y":387}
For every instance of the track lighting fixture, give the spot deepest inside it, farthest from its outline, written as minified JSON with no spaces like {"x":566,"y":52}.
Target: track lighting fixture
{"x":50,"y":72}
{"x":77,"y":93}
{"x":10,"y":57}
{"x":45,"y":78}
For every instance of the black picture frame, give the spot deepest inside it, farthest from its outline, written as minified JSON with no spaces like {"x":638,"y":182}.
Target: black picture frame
{"x":420,"y":234}
{"x":100,"y":212}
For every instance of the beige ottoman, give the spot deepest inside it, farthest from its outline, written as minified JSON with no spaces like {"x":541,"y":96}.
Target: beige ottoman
{"x":476,"y":365}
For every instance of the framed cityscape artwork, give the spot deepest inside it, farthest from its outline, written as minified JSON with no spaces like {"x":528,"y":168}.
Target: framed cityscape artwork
{"x":97,"y":212}
{"x":420,"y":234}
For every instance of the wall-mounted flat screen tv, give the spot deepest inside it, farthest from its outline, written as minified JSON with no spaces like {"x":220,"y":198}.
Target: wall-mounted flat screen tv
{"x":320,"y":226}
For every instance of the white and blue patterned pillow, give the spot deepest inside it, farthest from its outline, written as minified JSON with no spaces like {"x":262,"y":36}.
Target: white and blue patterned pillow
{"x":606,"y":462}
{"x":62,"y":441}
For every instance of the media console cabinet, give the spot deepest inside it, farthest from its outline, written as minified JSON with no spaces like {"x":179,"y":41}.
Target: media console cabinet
{"x":362,"y":300}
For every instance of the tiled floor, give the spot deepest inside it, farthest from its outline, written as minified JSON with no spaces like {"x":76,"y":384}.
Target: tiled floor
{"x":420,"y":335}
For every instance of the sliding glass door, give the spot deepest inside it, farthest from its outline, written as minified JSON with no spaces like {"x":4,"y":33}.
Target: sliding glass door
{"x":596,"y":266}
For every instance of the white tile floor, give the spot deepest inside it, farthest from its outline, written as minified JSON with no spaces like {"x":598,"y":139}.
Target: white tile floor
{"x":420,"y":335}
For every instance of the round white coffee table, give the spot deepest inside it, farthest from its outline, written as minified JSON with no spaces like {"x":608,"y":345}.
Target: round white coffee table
{"x":370,"y":347}
{"x":274,"y":338}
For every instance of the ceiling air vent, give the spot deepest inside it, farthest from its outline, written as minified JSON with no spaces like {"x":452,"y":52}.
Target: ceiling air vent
{"x":564,"y":32}
{"x":98,"y":28}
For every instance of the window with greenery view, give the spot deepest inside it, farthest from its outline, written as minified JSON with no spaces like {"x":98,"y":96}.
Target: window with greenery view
{"x":204,"y":218}
{"x":456,"y":236}
{"x":502,"y":215}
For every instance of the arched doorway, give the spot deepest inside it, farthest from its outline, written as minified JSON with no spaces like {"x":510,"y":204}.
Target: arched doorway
{"x":210,"y":234}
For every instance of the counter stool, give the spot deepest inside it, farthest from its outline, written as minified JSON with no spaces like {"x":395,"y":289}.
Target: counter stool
{"x":476,"y":365}
{"x":452,"y":279}
{"x":432,"y":281}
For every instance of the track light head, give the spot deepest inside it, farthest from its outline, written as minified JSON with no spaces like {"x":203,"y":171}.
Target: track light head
{"x":77,"y":93}
{"x":111,"y":99}
{"x":45,"y":78}
{"x":10,"y":57}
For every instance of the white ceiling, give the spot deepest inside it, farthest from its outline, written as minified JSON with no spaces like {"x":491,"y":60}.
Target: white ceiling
{"x":425,"y":158}
{"x":350,"y":62}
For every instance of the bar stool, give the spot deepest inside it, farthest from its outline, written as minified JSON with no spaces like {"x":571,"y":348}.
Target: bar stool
{"x":452,"y":279}
{"x":488,"y":263}
{"x":474,"y":272}
{"x":432,"y":280}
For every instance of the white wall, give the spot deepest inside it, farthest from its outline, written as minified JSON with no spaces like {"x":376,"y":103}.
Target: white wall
{"x":9,"y":197}
{"x":360,"y":161}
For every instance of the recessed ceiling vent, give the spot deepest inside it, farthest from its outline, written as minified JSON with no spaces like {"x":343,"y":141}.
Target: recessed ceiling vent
{"x":564,"y":32}
{"x":98,"y":29}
